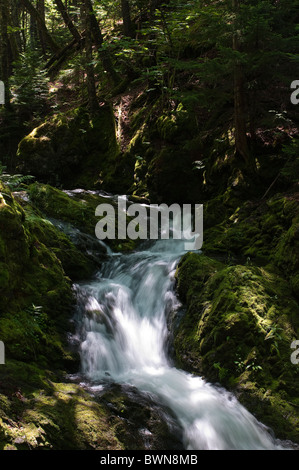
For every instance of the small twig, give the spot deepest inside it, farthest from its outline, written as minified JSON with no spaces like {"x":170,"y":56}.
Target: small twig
{"x":272,"y":184}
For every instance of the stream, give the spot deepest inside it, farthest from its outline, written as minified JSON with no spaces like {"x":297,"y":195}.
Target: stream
{"x":123,"y":335}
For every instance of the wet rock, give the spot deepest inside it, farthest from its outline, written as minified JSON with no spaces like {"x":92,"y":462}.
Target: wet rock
{"x":141,"y":423}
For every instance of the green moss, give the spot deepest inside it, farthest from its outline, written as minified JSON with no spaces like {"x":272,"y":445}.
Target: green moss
{"x":260,"y":232}
{"x":193,"y":267}
{"x":77,"y":210}
{"x":36,"y":294}
{"x":75,"y":264}
{"x":30,"y":335}
{"x":167,"y":127}
{"x":238,"y":328}
{"x":285,"y":255}
{"x":57,"y":204}
{"x":158,"y":151}
{"x":71,"y":149}
{"x":176,"y":125}
{"x":39,"y":412}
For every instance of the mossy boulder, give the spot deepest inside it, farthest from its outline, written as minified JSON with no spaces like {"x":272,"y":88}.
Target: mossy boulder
{"x":258,"y":231}
{"x":78,"y":210}
{"x":36,"y":293}
{"x":71,"y":149}
{"x":39,"y":412}
{"x":238,"y":328}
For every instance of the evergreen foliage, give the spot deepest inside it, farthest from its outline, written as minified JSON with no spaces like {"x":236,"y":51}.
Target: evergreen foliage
{"x":29,"y":85}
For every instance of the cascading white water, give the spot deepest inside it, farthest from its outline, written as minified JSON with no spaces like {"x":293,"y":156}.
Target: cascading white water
{"x":123,"y":335}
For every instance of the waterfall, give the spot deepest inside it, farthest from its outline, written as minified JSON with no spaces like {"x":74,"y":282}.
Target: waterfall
{"x":123,"y":335}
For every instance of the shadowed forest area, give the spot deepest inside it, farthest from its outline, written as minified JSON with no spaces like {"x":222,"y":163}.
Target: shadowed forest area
{"x":163,"y":101}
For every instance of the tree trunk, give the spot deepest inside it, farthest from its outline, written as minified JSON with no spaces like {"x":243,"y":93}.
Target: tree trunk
{"x":98,"y":41}
{"x":15,"y":21}
{"x":40,"y":6}
{"x":240,"y":114}
{"x":67,"y":19}
{"x":95,"y":30}
{"x":24,"y":26}
{"x":33,"y":30}
{"x":41,"y":24}
{"x":91,"y":85}
{"x":57,"y":60}
{"x":127,"y":22}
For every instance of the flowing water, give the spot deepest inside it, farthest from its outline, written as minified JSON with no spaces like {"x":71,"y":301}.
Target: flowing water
{"x":124,"y":336}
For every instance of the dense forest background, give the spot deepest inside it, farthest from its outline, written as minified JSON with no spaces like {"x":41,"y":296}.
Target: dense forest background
{"x":165,"y":101}
{"x":208,"y":81}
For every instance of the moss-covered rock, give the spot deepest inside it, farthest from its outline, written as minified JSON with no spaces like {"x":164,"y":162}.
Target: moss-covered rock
{"x":260,"y":231}
{"x":76,"y":264}
{"x":241,"y":304}
{"x":36,"y":294}
{"x":39,"y":412}
{"x":71,"y":149}
{"x":39,"y":261}
{"x":238,"y":327}
{"x":78,"y":210}
{"x":176,"y":125}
